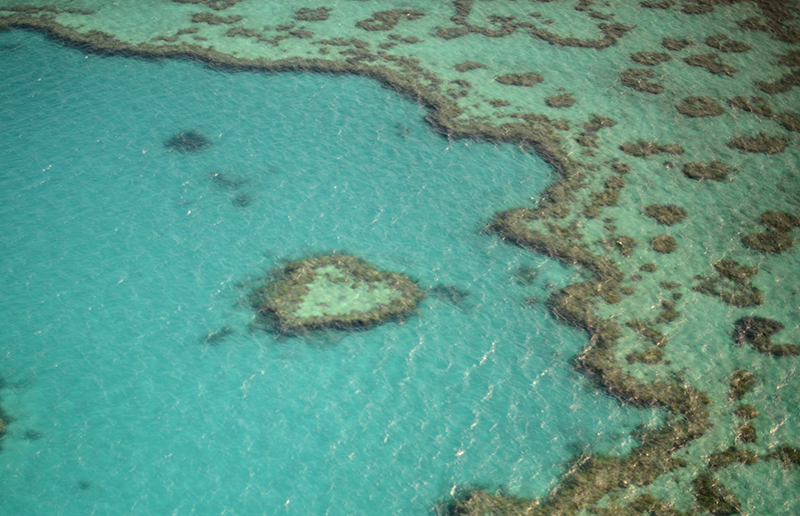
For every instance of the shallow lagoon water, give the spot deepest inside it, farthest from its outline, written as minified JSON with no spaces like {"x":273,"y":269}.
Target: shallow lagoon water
{"x":119,"y":256}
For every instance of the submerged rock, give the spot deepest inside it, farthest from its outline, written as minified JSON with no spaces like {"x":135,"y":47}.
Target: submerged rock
{"x":187,"y":141}
{"x":226,"y":182}
{"x":218,"y":335}
{"x":449,"y":293}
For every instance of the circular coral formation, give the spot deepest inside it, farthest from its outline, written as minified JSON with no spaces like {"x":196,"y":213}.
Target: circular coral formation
{"x":664,"y":244}
{"x":667,"y":214}
{"x":699,"y":106}
{"x":714,"y":171}
{"x":334,"y":291}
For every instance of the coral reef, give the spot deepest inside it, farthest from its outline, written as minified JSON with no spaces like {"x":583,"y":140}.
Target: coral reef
{"x":713,"y":497}
{"x":308,"y":14}
{"x":725,"y":44}
{"x":611,"y":33}
{"x":663,"y":4}
{"x":638,"y":80}
{"x":730,"y":456}
{"x":759,"y":143}
{"x":187,"y":141}
{"x":555,"y":226}
{"x":746,"y":412}
{"x":788,"y":455}
{"x":625,"y":245}
{"x":564,"y":100}
{"x":710,"y":62}
{"x":756,"y":105}
{"x":732,"y":284}
{"x":643,"y":148}
{"x":676,"y":45}
{"x":740,"y":384}
{"x":782,"y":85}
{"x":217,"y":5}
{"x":690,"y":8}
{"x":758,"y":331}
{"x":780,"y":220}
{"x":768,"y":241}
{"x":650,"y":58}
{"x":699,"y":106}
{"x":666,"y":214}
{"x":213,"y":19}
{"x":747,"y":433}
{"x":387,"y":20}
{"x":664,"y":244}
{"x":520,"y":79}
{"x":649,"y":356}
{"x":714,"y":171}
{"x":333,"y":291}
{"x":468,"y":65}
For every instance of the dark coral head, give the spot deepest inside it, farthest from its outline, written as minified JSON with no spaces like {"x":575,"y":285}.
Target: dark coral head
{"x":187,"y":141}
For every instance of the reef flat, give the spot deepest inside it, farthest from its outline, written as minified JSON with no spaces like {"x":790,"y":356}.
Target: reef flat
{"x":673,"y":126}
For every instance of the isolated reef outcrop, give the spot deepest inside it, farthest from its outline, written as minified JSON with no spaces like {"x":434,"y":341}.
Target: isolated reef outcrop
{"x":333,"y":291}
{"x":187,"y":141}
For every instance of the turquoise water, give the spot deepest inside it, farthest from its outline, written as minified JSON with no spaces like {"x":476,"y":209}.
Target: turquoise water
{"x":118,"y":256}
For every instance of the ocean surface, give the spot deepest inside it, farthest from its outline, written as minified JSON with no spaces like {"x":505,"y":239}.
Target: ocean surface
{"x":120,"y":256}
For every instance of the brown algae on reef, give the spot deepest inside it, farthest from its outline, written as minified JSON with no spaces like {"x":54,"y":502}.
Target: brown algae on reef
{"x":334,"y":291}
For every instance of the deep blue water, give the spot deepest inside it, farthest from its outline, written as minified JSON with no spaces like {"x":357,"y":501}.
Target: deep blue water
{"x":118,"y":256}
